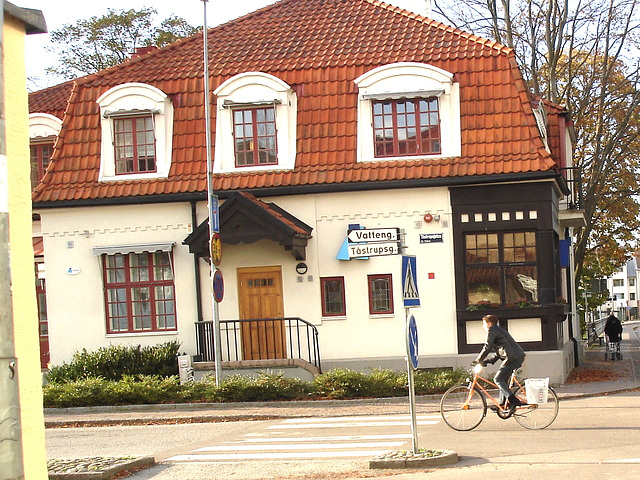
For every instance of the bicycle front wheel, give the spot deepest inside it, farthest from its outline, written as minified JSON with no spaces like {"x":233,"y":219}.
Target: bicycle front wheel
{"x":537,"y":416}
{"x":463,"y":409}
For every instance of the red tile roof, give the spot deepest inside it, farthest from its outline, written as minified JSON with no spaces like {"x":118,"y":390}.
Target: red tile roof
{"x":323,"y":45}
{"x":52,"y":100}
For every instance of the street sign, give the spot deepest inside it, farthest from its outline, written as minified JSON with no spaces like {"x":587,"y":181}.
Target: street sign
{"x":374,"y":235}
{"x":218,"y":286}
{"x":214,"y":216}
{"x":216,"y":249}
{"x":412,"y":341}
{"x":373,"y":249}
{"x":410,"y":294}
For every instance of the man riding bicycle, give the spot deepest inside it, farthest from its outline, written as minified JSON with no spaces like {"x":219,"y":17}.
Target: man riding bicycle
{"x":499,"y":344}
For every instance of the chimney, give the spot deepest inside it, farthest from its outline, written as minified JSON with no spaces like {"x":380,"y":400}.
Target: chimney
{"x":421,"y":7}
{"x":143,"y":51}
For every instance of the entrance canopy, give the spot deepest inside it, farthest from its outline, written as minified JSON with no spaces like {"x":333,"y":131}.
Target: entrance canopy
{"x":245,"y":219}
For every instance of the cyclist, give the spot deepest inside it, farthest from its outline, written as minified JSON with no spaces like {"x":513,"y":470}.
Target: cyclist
{"x":501,"y":345}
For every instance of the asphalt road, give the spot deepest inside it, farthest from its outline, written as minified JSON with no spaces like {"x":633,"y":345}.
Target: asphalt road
{"x":592,"y":438}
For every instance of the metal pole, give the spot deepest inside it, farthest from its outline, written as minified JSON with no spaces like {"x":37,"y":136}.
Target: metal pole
{"x":11,"y":464}
{"x":211,"y":199}
{"x":412,"y":389}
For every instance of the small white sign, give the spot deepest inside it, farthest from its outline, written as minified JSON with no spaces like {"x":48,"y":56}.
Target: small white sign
{"x":73,"y":271}
{"x":373,"y":249}
{"x":374,"y":235}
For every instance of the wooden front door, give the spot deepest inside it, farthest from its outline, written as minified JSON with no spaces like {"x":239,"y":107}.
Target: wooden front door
{"x":260,"y":298}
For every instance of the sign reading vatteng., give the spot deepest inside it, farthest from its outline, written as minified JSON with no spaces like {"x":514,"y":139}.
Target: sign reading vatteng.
{"x":374,"y":235}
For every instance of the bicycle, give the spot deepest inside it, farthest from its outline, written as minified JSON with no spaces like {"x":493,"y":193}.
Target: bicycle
{"x":463,"y":407}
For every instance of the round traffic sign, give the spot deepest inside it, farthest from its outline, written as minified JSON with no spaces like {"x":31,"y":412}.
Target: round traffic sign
{"x":218,"y":286}
{"x":216,"y":249}
{"x":412,"y":341}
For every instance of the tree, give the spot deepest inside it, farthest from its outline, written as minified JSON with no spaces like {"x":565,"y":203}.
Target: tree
{"x":581,"y":54}
{"x":93,"y":44}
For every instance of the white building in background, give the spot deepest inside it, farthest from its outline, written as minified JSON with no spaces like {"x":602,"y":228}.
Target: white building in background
{"x":623,"y":292}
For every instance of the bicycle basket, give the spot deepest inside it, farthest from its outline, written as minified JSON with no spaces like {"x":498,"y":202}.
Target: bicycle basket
{"x":537,"y":390}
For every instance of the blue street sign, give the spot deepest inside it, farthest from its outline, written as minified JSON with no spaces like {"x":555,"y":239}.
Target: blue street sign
{"x":410,"y":294}
{"x":412,"y":341}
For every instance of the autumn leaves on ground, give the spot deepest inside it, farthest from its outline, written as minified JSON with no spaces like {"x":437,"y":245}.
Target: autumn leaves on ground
{"x":600,"y":371}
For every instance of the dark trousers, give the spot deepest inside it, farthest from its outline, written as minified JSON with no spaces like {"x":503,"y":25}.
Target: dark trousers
{"x":503,"y":375}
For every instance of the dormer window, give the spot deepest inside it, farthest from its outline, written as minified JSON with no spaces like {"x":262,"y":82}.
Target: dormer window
{"x":408,"y":110}
{"x":254,"y":132}
{"x":406,"y":127}
{"x":43,"y":132}
{"x":255,"y":124}
{"x":135,"y":145}
{"x":41,"y":152}
{"x":137,"y":130}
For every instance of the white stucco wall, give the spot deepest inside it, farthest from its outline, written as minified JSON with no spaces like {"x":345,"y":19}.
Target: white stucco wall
{"x":76,"y":302}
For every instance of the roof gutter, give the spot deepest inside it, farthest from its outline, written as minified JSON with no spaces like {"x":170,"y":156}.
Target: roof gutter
{"x":306,"y":189}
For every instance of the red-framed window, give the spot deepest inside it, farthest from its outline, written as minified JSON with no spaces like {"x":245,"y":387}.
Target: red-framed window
{"x":406,"y":127}
{"x":140,"y":293}
{"x":254,"y":132}
{"x":380,"y":294}
{"x":135,"y":145}
{"x":40,"y":157}
{"x":333,"y":298}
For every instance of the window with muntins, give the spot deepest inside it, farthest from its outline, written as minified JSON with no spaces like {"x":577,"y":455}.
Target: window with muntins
{"x":40,"y":158}
{"x":140,"y":293}
{"x":254,"y":131}
{"x":501,"y":269}
{"x":333,"y":298}
{"x":406,"y":127}
{"x":380,"y":294}
{"x":135,"y":145}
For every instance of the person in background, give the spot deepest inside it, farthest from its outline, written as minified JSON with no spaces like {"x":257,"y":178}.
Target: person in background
{"x":613,"y":329}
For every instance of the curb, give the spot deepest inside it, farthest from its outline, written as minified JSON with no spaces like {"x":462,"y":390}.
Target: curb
{"x":424,"y":458}
{"x":96,"y":468}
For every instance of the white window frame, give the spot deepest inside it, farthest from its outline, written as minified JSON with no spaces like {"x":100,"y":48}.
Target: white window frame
{"x":409,"y":80}
{"x":248,"y":90}
{"x":127,"y":100}
{"x":43,"y":126}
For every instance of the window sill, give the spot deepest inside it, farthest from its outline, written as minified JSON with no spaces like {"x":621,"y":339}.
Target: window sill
{"x":337,"y":317}
{"x":381,"y":315}
{"x":141,"y":334}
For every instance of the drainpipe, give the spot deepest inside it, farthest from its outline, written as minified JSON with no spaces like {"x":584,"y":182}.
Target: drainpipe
{"x":574,"y":304}
{"x":11,"y":464}
{"x":196,"y":264}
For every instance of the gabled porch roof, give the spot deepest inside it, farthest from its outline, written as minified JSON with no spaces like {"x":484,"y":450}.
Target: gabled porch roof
{"x":245,"y":219}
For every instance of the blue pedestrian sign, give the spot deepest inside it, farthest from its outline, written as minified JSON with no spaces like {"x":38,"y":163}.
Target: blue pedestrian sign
{"x":409,"y":282}
{"x":412,"y":341}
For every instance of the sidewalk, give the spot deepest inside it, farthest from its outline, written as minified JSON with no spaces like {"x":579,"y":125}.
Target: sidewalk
{"x":597,"y":377}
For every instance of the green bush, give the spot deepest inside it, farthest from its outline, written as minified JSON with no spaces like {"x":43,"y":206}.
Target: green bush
{"x":263,"y":388}
{"x":116,"y":361}
{"x":335,"y":384}
{"x":341,"y":383}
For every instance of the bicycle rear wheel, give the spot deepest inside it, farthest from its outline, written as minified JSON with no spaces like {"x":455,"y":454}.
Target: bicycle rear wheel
{"x":462,"y":411}
{"x":537,"y":416}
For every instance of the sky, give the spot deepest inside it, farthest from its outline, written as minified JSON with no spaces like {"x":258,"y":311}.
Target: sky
{"x":62,"y":12}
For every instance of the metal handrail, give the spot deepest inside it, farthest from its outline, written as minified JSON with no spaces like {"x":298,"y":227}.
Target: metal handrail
{"x":301,"y":339}
{"x":573,"y":177}
{"x":595,"y":330}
